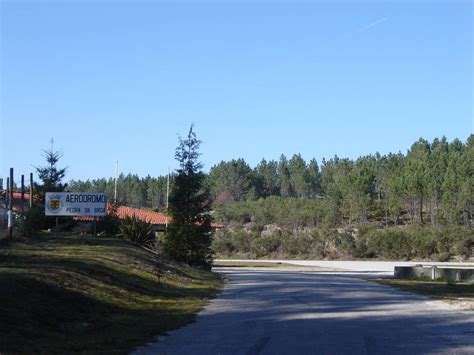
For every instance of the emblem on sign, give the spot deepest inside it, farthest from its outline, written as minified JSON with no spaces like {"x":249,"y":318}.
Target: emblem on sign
{"x":54,"y":204}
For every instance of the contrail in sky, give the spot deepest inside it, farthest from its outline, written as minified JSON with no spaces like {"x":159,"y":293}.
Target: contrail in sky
{"x":375,"y":23}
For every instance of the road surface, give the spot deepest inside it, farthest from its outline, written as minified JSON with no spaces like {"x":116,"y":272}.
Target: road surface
{"x":297,"y":312}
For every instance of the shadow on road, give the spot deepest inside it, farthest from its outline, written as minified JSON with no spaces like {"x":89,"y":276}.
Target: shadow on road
{"x":298,"y":312}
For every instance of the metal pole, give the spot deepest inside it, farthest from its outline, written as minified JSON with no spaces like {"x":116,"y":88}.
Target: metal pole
{"x":57,"y":227}
{"x":7,"y":193}
{"x":1,"y":186}
{"x":31,"y":190}
{"x":115,"y":187}
{"x":10,"y":207}
{"x":22,"y":193}
{"x":168,"y":189}
{"x":167,"y":198}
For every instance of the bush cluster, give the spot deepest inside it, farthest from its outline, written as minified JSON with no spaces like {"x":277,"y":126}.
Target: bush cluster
{"x":400,"y":243}
{"x":30,"y":222}
{"x":289,"y":213}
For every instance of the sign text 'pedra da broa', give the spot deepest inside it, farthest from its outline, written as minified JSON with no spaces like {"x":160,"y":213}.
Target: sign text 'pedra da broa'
{"x":76,"y":204}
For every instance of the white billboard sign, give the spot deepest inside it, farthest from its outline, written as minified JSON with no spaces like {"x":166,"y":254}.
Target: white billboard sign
{"x":92,"y":204}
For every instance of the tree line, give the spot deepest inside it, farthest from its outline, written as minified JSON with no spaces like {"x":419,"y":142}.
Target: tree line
{"x":133,"y":191}
{"x":432,"y":183}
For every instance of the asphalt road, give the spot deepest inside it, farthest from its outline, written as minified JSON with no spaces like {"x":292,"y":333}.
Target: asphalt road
{"x":278,"y":312}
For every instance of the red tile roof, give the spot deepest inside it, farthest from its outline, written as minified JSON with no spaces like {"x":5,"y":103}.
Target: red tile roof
{"x":124,"y":211}
{"x":144,"y":215}
{"x":17,"y":197}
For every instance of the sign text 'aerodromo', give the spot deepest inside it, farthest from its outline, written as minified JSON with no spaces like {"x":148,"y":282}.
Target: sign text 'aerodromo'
{"x":76,"y":204}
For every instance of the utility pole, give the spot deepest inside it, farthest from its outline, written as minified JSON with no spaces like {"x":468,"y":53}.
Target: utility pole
{"x":115,"y":184}
{"x":22,"y":193}
{"x":10,"y":207}
{"x":7,"y":193}
{"x":31,"y":190}
{"x":167,"y":196}
{"x":168,"y":189}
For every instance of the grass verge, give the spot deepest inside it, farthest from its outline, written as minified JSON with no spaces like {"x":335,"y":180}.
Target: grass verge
{"x":79,"y":294}
{"x":457,"y":293}
{"x":266,"y":265}
{"x":251,"y":264}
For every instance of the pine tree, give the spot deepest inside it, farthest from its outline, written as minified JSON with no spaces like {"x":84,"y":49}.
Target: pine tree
{"x":299,"y":177}
{"x":286,"y":190}
{"x":232,"y":179}
{"x":51,"y":175}
{"x":416,"y":176}
{"x":314,"y":178}
{"x":266,"y":178}
{"x":188,"y":238}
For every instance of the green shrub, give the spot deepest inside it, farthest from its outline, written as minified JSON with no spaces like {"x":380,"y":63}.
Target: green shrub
{"x":307,"y":243}
{"x":188,"y":243}
{"x":443,"y":257}
{"x":222,"y":244}
{"x":137,"y":231}
{"x":232,"y":242}
{"x":347,"y":244}
{"x":401,"y":243}
{"x":392,"y":243}
{"x":300,"y":244}
{"x":108,"y":226}
{"x":361,"y":249}
{"x":464,"y":247}
{"x":31,"y":222}
{"x":265,"y":245}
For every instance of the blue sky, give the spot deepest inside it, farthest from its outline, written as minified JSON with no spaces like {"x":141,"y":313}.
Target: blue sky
{"x":119,"y":80}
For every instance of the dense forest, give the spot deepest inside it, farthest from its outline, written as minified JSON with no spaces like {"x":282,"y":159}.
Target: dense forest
{"x":417,"y":205}
{"x":432,"y":183}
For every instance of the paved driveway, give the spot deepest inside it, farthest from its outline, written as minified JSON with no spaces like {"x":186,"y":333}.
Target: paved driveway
{"x":276,"y":312}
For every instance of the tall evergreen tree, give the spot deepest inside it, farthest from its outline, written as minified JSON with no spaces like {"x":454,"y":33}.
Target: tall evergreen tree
{"x":188,"y":238}
{"x":416,"y":177}
{"x":50,"y":175}
{"x":299,"y":177}
{"x":438,"y":163}
{"x":286,"y":190}
{"x":314,"y":178}
{"x":266,"y":178}
{"x":332,"y":190}
{"x":392,"y":187}
{"x":234,"y":179}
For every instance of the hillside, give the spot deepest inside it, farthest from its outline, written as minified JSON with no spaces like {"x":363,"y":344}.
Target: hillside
{"x":293,"y":229}
{"x":79,"y":294}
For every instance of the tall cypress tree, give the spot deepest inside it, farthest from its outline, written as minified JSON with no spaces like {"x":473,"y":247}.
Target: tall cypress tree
{"x":188,"y":238}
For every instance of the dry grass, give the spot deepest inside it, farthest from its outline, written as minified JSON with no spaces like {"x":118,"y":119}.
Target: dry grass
{"x":460,"y":293}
